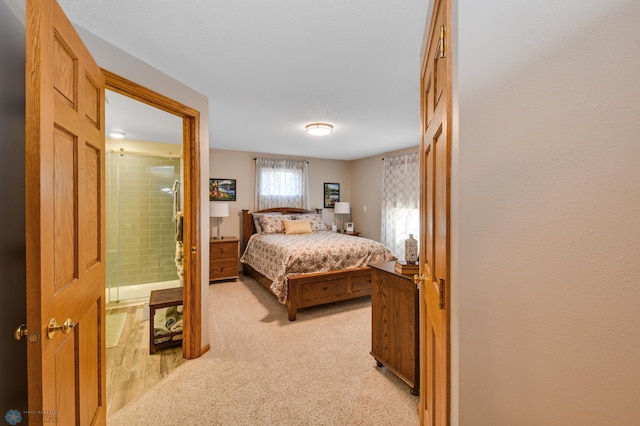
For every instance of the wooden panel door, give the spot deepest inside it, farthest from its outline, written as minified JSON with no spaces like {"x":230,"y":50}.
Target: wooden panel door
{"x":64,"y":222}
{"x":435,"y":149}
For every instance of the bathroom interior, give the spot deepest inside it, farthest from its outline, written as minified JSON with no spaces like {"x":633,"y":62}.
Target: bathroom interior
{"x":144,"y":199}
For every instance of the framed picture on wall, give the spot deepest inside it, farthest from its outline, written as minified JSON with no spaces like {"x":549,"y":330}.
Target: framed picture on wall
{"x":331,"y":194}
{"x":222,"y":190}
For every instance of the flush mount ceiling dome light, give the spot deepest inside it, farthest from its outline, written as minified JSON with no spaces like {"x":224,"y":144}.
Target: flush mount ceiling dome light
{"x":116,"y":134}
{"x":319,"y":129}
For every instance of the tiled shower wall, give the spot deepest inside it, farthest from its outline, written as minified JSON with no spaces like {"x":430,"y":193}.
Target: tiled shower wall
{"x":140,"y":229}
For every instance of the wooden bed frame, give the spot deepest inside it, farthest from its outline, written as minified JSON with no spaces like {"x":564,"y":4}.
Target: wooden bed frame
{"x":311,"y":289}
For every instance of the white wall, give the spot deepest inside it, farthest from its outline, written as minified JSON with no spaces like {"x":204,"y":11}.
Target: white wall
{"x":118,"y":61}
{"x":546,"y":226}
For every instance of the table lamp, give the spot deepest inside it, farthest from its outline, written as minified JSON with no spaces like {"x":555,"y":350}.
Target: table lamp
{"x":342,"y":208}
{"x":218,"y":210}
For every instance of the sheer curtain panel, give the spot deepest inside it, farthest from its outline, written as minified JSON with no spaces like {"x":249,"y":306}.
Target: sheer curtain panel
{"x":281,"y":183}
{"x":400,"y":201}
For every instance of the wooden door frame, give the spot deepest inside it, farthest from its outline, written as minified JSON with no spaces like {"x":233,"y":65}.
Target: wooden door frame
{"x":192,"y":293}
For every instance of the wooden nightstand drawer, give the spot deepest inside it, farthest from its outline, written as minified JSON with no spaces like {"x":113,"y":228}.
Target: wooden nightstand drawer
{"x":223,"y":269}
{"x":223,"y":259}
{"x":226,"y":250}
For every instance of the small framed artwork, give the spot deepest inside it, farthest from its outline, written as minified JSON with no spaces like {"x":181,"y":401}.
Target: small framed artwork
{"x":331,"y":194}
{"x":222,"y":190}
{"x":350,"y":227}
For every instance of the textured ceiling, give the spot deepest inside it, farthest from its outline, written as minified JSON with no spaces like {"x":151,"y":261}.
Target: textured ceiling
{"x":270,"y":67}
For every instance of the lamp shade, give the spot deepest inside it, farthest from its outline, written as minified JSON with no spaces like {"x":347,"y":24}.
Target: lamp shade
{"x":342,"y":207}
{"x":217,"y":209}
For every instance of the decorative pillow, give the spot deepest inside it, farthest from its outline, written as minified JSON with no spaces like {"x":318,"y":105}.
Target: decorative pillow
{"x":297,"y":227}
{"x":314,"y":219}
{"x":273,"y":224}
{"x":256,"y":219}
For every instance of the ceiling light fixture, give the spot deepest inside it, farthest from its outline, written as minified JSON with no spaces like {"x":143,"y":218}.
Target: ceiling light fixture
{"x":117,"y":134}
{"x":319,"y":129}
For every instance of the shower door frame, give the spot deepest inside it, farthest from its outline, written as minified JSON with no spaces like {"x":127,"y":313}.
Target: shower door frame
{"x":192,"y":290}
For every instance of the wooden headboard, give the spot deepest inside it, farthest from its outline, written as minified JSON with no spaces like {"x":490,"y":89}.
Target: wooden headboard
{"x":249,"y":228}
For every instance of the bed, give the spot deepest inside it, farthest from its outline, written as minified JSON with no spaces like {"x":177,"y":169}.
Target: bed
{"x":307,"y":268}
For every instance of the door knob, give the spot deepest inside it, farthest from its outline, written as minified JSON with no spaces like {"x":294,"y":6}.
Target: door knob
{"x":54,"y":326}
{"x":21,"y":332}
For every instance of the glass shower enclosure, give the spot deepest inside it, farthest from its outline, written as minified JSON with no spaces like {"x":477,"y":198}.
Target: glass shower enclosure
{"x":142,"y":200}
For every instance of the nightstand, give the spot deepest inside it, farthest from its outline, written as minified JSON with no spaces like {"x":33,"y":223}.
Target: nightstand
{"x":355,"y":234}
{"x":223,"y":259}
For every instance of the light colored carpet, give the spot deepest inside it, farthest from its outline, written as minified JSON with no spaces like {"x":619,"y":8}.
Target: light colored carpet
{"x":113,"y":328}
{"x":264,"y":370}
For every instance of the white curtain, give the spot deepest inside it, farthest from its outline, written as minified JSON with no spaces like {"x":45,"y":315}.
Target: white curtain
{"x":281,"y":183}
{"x":400,"y":201}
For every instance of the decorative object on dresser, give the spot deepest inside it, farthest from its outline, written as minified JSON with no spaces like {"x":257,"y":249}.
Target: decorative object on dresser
{"x":218,"y":210}
{"x":295,"y":280}
{"x":223,"y":259}
{"x":411,"y":249}
{"x":342,"y":208}
{"x":395,"y":335}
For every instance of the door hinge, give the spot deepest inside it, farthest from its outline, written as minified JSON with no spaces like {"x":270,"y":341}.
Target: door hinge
{"x":441,"y":294}
{"x":442,"y":46}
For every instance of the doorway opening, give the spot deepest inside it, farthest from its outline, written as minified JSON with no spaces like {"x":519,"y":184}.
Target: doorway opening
{"x":188,"y":200}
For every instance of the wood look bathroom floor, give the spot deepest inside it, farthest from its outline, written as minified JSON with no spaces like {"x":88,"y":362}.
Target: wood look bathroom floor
{"x":131,"y":371}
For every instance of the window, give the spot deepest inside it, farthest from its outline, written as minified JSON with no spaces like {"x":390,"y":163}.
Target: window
{"x":281,"y":183}
{"x":400,"y":201}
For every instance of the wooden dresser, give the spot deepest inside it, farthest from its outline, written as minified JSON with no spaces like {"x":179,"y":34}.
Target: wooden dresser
{"x":223,"y":259}
{"x":395,"y":340}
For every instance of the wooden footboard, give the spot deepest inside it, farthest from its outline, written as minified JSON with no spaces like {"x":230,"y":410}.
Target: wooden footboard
{"x":320,"y":288}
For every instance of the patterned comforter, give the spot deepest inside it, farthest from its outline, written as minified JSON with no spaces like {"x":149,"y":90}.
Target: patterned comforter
{"x":277,"y":256}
